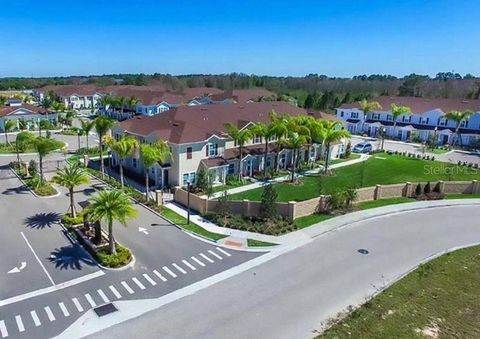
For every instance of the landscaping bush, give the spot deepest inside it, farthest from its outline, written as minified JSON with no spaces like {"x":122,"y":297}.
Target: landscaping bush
{"x":436,"y":189}
{"x":274,"y":226}
{"x":121,"y":258}
{"x":427,"y":189}
{"x":268,"y":208}
{"x":418,"y":190}
{"x":68,"y":221}
{"x":32,"y":168}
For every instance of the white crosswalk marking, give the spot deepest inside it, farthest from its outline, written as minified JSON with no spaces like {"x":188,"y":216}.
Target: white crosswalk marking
{"x":139,"y":284}
{"x":103,"y":296}
{"x":50,"y":315}
{"x":215,"y":254}
{"x":36,"y":321}
{"x":115,"y":292}
{"x":206,"y":258}
{"x":77,"y":304}
{"x":223,"y":251}
{"x":159,"y":275}
{"x":150,"y":280}
{"x":190,"y":266}
{"x":64,"y":309}
{"x":166,"y":269}
{"x":179,"y":268}
{"x":90,"y":300}
{"x":3,"y":329}
{"x":125,"y":285}
{"x":19,"y":321}
{"x":198,"y":262}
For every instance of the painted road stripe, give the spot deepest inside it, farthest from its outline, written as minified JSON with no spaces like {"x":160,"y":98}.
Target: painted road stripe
{"x":64,"y":309}
{"x":159,"y":275}
{"x":50,"y":315}
{"x":3,"y":329}
{"x":198,"y":262}
{"x":206,"y":258}
{"x":77,"y":304}
{"x":179,"y":268}
{"x":90,"y":300}
{"x":38,"y":259}
{"x":19,"y":321}
{"x":103,"y":296}
{"x":190,"y":266}
{"x":166,"y":269}
{"x":139,"y":284}
{"x":150,"y":280}
{"x":215,"y":254}
{"x":35,"y":318}
{"x":115,"y":292}
{"x":125,"y":285}
{"x":223,"y":251}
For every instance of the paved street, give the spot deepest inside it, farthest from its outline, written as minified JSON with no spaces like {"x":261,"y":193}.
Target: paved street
{"x":291,"y":295}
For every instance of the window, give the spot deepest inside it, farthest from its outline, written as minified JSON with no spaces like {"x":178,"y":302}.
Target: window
{"x":376,"y":116}
{"x":134,"y":162}
{"x":464,"y":124}
{"x":231,"y":168}
{"x":341,"y":114}
{"x":189,"y":153}
{"x":188,"y":178}
{"x":389,"y":117}
{"x":269,"y":162}
{"x":257,"y":139}
{"x":354,"y":115}
{"x":211,"y":150}
{"x":442,"y":122}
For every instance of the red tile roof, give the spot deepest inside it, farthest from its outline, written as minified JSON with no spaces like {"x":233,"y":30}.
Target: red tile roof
{"x":421,"y":105}
{"x":187,"y":124}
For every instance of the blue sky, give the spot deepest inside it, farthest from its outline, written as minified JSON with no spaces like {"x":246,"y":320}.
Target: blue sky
{"x":337,"y":38}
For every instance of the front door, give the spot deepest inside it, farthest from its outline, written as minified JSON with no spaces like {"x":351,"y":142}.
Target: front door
{"x":165,"y":177}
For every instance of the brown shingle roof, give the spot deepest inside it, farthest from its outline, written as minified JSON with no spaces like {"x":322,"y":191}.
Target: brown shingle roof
{"x":7,"y":110}
{"x":196,"y":123}
{"x":421,"y":105}
{"x":243,"y":95}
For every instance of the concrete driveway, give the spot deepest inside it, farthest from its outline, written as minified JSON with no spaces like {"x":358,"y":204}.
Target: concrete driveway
{"x":294,"y":293}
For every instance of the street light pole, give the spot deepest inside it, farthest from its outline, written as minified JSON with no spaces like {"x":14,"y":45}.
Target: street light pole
{"x":188,"y":202}
{"x":435,"y":137}
{"x":384,"y":130}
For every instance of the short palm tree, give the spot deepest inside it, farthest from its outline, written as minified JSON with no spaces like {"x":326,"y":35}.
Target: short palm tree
{"x":332,"y":133}
{"x":22,"y":141}
{"x":125,"y":147}
{"x":8,"y":125}
{"x":87,"y":126}
{"x":458,"y":117}
{"x":70,"y":177}
{"x":396,"y":112}
{"x":158,"y":152}
{"x":43,"y":146}
{"x":102,"y":126}
{"x":368,"y":106}
{"x":297,"y":137}
{"x":280,"y":127}
{"x":240,"y":136}
{"x":110,"y":206}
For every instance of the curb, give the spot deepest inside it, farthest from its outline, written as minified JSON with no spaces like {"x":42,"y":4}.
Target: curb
{"x":31,"y":191}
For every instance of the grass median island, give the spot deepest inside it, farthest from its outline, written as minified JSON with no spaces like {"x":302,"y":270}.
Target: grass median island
{"x":259,"y":243}
{"x":121,"y":258}
{"x":441,"y":299}
{"x":391,"y":169}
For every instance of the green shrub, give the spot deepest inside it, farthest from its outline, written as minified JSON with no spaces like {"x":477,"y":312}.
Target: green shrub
{"x":427,"y":189}
{"x":121,"y":258}
{"x":32,"y":168}
{"x":436,"y":189}
{"x":67,"y":220}
{"x":418,"y":190}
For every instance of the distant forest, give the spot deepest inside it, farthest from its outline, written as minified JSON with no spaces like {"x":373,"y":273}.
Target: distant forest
{"x":311,"y":91}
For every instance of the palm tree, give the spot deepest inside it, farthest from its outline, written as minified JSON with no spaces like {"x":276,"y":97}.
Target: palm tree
{"x":71,"y":177}
{"x":125,"y":147}
{"x":368,"y":106}
{"x":43,"y":147}
{"x":8,"y":125}
{"x":22,"y":141}
{"x":240,"y":136}
{"x":102,"y":126}
{"x":150,"y":155}
{"x":266,"y":131}
{"x":87,"y":126}
{"x":22,"y":124}
{"x":331,"y":133}
{"x":280,"y":128}
{"x":110,"y":206}
{"x":396,"y":112}
{"x":458,"y":117}
{"x":294,"y":142}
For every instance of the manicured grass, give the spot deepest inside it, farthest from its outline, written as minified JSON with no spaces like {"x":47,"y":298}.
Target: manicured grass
{"x":390,"y":170}
{"x":234,"y":184}
{"x":11,"y":149}
{"x":438,"y":151}
{"x":352,"y":156}
{"x":463,"y":196}
{"x":259,"y":243}
{"x":383,"y":202}
{"x":443,"y":295}
{"x":312,"y":219}
{"x":182,"y":222}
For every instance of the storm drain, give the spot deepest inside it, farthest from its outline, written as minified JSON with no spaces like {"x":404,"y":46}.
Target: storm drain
{"x":105,"y":309}
{"x":363,"y":251}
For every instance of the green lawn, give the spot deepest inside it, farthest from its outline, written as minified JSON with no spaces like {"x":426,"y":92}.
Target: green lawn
{"x":311,"y":219}
{"x":438,"y":151}
{"x":259,"y":243}
{"x":390,"y":170}
{"x":182,"y":222}
{"x":463,"y":196}
{"x":352,"y":156}
{"x":443,"y":295}
{"x":383,"y":202}
{"x":11,"y":149}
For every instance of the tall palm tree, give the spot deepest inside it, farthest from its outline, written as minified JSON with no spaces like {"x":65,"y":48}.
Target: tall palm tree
{"x":458,"y":117}
{"x":240,"y":136}
{"x":87,"y":126}
{"x":8,"y":125}
{"x":110,"y":206}
{"x":150,"y":155}
{"x":43,"y":146}
{"x":295,"y":141}
{"x":102,"y":127}
{"x":396,"y":112}
{"x":280,"y":132}
{"x":125,"y":147}
{"x":22,"y":141}
{"x":70,"y":177}
{"x":368,"y":106}
{"x":266,"y":131}
{"x":332,"y":133}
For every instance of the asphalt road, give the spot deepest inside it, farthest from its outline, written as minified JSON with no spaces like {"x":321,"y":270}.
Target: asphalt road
{"x":293,"y":294}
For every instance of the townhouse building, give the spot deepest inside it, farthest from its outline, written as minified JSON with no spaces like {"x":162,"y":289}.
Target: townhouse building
{"x":31,"y":115}
{"x":198,"y":139}
{"x":425,"y":120}
{"x":72,"y":96}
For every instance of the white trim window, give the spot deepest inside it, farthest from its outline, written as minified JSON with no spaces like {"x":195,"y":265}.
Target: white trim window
{"x":257,"y":139}
{"x":389,"y":117}
{"x":212,"y":150}
{"x":189,"y":177}
{"x":354,"y":115}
